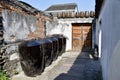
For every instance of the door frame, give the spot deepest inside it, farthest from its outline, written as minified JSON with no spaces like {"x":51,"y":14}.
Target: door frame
{"x":82,"y":32}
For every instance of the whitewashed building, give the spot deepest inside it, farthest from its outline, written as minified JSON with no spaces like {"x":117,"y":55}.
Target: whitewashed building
{"x":108,"y":37}
{"x":77,"y":28}
{"x":73,"y":29}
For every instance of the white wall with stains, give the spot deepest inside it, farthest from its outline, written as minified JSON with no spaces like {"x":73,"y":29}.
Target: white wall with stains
{"x":64,"y":26}
{"x":17,"y":26}
{"x":60,"y":28}
{"x":108,"y":35}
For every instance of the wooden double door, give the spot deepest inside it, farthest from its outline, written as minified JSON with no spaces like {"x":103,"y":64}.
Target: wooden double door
{"x":81,"y":36}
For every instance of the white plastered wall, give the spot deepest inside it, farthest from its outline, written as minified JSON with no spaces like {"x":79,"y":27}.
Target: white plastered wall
{"x":109,"y":24}
{"x":61,"y":28}
{"x":64,"y":26}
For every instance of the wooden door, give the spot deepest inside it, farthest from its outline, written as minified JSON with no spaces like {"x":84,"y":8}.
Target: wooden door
{"x":81,"y":37}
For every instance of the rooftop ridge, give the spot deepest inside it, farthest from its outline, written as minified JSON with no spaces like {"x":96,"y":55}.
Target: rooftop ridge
{"x":64,"y":4}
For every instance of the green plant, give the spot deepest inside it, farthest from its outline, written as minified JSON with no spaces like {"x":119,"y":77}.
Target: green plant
{"x":3,"y":75}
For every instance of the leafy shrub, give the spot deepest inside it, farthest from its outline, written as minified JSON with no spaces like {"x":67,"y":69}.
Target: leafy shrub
{"x":3,"y":75}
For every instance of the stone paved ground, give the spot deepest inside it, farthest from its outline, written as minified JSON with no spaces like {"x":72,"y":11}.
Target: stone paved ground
{"x":70,"y":66}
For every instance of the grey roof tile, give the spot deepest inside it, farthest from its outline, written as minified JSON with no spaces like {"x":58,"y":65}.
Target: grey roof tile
{"x":68,"y":6}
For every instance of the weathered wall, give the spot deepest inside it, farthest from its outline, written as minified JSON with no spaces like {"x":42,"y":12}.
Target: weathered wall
{"x":20,"y":27}
{"x":60,"y":28}
{"x":109,"y":26}
{"x":17,"y":27}
{"x":64,"y":26}
{"x":9,"y":56}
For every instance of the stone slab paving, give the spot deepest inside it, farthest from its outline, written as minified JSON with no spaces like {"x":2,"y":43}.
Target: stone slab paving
{"x":69,"y":66}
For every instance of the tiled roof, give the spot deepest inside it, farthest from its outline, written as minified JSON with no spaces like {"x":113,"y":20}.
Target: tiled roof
{"x":68,"y":6}
{"x":22,"y":5}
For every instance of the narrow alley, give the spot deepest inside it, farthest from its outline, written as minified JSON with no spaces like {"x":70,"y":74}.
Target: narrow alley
{"x":59,"y":40}
{"x":56,"y":43}
{"x":69,"y":66}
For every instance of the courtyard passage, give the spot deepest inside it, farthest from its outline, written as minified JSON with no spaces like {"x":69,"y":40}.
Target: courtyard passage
{"x":71,"y":65}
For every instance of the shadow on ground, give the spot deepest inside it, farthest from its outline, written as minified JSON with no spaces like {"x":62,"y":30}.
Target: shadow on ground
{"x":83,"y":68}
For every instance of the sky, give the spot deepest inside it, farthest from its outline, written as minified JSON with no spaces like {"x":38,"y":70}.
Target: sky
{"x":83,"y":5}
